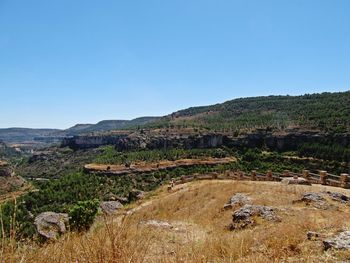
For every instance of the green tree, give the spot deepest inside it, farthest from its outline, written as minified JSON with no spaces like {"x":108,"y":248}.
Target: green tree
{"x":82,"y":215}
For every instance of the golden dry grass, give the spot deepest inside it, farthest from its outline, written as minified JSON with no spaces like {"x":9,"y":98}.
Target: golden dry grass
{"x":200,"y":233}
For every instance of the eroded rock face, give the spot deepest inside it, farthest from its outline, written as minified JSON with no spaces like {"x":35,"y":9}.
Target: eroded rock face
{"x":292,"y":180}
{"x":338,"y":197}
{"x":50,"y":224}
{"x":110,"y":207}
{"x":237,"y":199}
{"x":244,"y":216}
{"x":339,"y":241}
{"x":315,"y":199}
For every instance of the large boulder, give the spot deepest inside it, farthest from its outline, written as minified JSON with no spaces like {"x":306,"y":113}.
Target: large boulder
{"x":50,"y":224}
{"x":339,"y":241}
{"x":295,"y":180}
{"x":237,"y":199}
{"x":110,"y":207}
{"x":244,"y":216}
{"x":314,"y":199}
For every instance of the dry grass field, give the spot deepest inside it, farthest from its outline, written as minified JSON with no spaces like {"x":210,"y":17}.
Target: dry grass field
{"x":189,"y":224}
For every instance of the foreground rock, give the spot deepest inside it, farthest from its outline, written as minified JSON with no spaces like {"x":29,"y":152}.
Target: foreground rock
{"x":315,"y":199}
{"x":293,"y":180}
{"x":244,"y":216}
{"x":339,"y":197}
{"x":340,"y":241}
{"x":50,"y":225}
{"x":237,"y":199}
{"x":110,"y":207}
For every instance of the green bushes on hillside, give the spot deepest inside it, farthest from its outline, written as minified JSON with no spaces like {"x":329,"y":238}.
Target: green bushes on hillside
{"x":111,"y":156}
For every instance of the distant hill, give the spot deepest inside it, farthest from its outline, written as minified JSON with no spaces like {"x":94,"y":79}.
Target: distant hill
{"x":327,"y":112}
{"x":44,"y":136}
{"x":14,"y":135}
{"x":108,"y":125}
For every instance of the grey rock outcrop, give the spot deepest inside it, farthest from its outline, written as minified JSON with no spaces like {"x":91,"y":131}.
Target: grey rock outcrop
{"x":50,"y":224}
{"x":244,"y":216}
{"x":292,"y":180}
{"x":315,"y":200}
{"x":339,"y":197}
{"x":110,"y":207}
{"x":339,"y":241}
{"x":237,"y":199}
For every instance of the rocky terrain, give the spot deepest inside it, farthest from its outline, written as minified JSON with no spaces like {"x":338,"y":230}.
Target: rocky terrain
{"x":265,"y":220}
{"x":10,"y":184}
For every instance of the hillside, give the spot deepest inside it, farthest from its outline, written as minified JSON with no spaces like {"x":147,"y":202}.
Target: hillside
{"x":107,"y":125}
{"x":326,"y":112}
{"x":189,"y":224}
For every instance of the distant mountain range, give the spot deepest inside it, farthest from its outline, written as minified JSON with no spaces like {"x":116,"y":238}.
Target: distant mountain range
{"x":327,"y":112}
{"x":27,"y":135}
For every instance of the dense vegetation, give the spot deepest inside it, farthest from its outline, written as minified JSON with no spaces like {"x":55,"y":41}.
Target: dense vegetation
{"x":327,"y":111}
{"x":325,"y":151}
{"x":111,"y":156}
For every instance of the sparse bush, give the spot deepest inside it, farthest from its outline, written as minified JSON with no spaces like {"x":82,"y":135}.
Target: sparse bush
{"x":82,"y":215}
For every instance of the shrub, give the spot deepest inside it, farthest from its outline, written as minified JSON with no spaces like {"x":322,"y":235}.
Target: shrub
{"x":82,"y":215}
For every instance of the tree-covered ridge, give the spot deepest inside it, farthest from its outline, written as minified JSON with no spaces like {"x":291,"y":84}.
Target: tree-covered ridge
{"x":326,"y":111}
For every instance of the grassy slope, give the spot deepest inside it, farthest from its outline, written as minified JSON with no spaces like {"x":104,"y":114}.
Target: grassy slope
{"x":196,"y":209}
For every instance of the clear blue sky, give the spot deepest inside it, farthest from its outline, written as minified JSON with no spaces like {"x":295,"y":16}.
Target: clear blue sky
{"x":78,"y":61}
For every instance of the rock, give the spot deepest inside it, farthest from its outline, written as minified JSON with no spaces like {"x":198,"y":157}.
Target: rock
{"x":136,"y":194}
{"x":50,"y":225}
{"x":311,"y":235}
{"x":243,"y":217}
{"x":315,"y":199}
{"x":340,"y":241}
{"x":292,"y":180}
{"x":110,"y":207}
{"x":237,"y":199}
{"x":338,"y":197}
{"x":122,"y":199}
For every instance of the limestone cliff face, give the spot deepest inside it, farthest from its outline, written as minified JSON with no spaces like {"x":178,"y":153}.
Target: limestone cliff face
{"x":91,"y":141}
{"x":280,"y":141}
{"x":172,"y":141}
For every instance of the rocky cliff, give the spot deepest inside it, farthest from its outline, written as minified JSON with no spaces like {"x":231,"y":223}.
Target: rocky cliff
{"x":279,"y":140}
